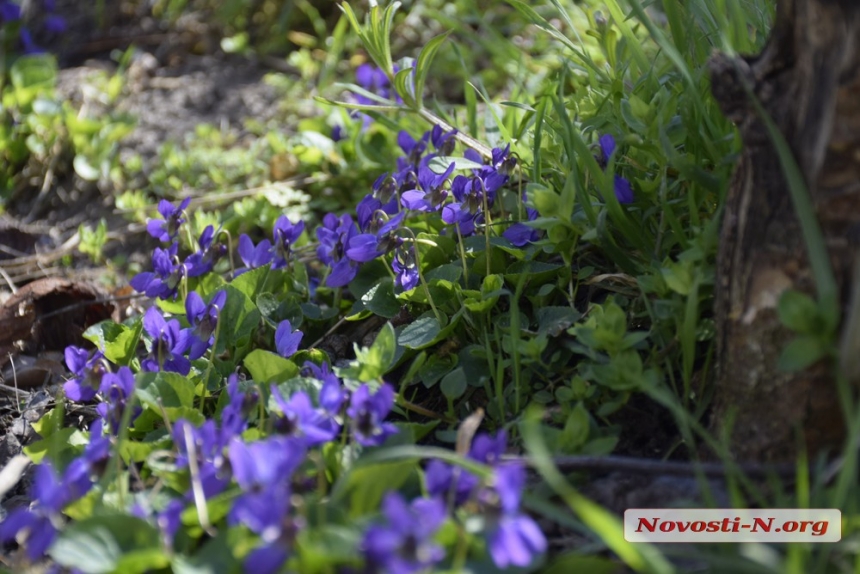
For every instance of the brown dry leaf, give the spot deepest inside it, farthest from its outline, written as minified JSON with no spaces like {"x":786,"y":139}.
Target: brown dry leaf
{"x":51,"y":313}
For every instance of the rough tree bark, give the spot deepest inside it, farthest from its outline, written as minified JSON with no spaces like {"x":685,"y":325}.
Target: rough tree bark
{"x":808,"y":80}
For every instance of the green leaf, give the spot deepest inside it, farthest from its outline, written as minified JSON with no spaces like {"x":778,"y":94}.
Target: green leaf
{"x":364,"y":486}
{"x":319,"y":549}
{"x":798,"y":311}
{"x":545,"y":200}
{"x":447,"y":272}
{"x":678,"y":277}
{"x":372,"y":362}
{"x":575,"y":431}
{"x":404,"y":86}
{"x":486,"y":299}
{"x":309,"y":385}
{"x":268,"y":367}
{"x":554,"y":320}
{"x":440,"y":165}
{"x":800,"y":353}
{"x":240,"y":314}
{"x":170,"y":390}
{"x":538,"y":272}
{"x":86,"y":170}
{"x":623,"y":373}
{"x":251,"y":283}
{"x":54,"y":447}
{"x":454,"y":384}
{"x":215,"y":557}
{"x":103,"y":544}
{"x":380,"y":299}
{"x":435,"y":368}
{"x":174,"y":307}
{"x":421,"y":333}
{"x":422,"y":67}
{"x":118,"y":342}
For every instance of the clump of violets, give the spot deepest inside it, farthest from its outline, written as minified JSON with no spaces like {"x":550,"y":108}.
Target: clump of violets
{"x":404,"y":544}
{"x":513,"y":537}
{"x":263,"y":471}
{"x":10,"y":14}
{"x":36,"y":527}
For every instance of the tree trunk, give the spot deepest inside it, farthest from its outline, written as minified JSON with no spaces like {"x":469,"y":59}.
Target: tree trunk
{"x":808,"y":80}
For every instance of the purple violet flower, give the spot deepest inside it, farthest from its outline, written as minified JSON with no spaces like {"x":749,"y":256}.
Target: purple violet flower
{"x":116,"y":388}
{"x":404,"y":544}
{"x":443,"y":141}
{"x":301,"y":421}
{"x":368,"y":414}
{"x":169,"y":342}
{"x":374,"y":80}
{"x":285,"y":235}
{"x":169,"y":520}
{"x":623,"y":189}
{"x":87,"y":373}
{"x":35,"y":527}
{"x":445,"y":481}
{"x":204,"y":260}
{"x":383,"y":198}
{"x":266,"y":559}
{"x":332,"y":393}
{"x":263,"y":470}
{"x":203,"y":319}
{"x":90,"y":465}
{"x":431,"y":194}
{"x":167,"y":229}
{"x":514,"y":539}
{"x":55,"y":24}
{"x":253,"y":256}
{"x":234,"y":417}
{"x":368,"y":246}
{"x":286,"y":340}
{"x":209,"y":451}
{"x":9,"y":11}
{"x":457,"y":214}
{"x":334,"y":236}
{"x":405,"y":268}
{"x":520,"y":234}
{"x":413,"y":148}
{"x":163,"y":282}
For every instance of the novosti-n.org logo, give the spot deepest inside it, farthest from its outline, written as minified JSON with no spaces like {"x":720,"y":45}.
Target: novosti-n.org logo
{"x":732,"y":525}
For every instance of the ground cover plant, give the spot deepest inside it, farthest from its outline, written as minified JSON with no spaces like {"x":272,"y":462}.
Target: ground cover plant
{"x":432,"y":299}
